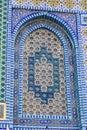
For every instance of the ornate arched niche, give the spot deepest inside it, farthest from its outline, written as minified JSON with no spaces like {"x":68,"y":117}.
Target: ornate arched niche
{"x":44,"y":76}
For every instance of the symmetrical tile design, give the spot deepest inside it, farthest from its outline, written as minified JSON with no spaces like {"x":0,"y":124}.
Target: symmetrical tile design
{"x":44,"y":90}
{"x":3,"y":19}
{"x":53,"y":3}
{"x":69,"y":18}
{"x":74,"y":5}
{"x":20,"y":112}
{"x":44,"y":84}
{"x":37,"y":3}
{"x":84,"y":48}
{"x":83,"y":4}
{"x":69,"y":3}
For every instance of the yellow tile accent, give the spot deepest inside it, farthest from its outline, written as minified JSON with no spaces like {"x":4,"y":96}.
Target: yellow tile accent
{"x":83,"y":4}
{"x":85,"y":62}
{"x":84,"y":32}
{"x":69,"y":3}
{"x":37,"y":2}
{"x":4,"y":111}
{"x":53,"y":3}
{"x":86,"y":78}
{"x":85,"y":47}
{"x":21,"y":1}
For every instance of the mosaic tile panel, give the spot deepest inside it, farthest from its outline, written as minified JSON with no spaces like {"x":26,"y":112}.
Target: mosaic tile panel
{"x":44,"y":90}
{"x":69,"y":18}
{"x":83,"y":44}
{"x":69,"y":3}
{"x":53,"y":3}
{"x":84,"y":48}
{"x":76,"y":5}
{"x":20,"y":116}
{"x":37,"y":3}
{"x":83,"y":4}
{"x":3,"y":19}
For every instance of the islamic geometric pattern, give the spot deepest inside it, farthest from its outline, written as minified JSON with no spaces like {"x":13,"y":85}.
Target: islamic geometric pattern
{"x":44,"y":90}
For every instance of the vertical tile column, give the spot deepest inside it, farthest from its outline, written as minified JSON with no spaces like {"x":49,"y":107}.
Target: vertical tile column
{"x":3,"y":42}
{"x":3,"y":25}
{"x":9,"y":87}
{"x":81,"y":75}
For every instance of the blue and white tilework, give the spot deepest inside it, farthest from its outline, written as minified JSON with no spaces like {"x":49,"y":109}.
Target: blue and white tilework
{"x":35,"y":53}
{"x":18,"y":15}
{"x":46,"y":59}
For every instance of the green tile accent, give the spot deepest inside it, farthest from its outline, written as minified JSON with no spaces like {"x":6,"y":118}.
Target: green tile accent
{"x":3,"y":25}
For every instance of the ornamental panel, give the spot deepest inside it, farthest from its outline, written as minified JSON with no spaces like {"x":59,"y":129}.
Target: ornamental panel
{"x":44,"y":90}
